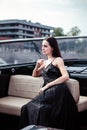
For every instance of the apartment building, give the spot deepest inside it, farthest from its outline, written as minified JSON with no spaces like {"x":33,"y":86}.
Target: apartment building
{"x":11,"y":29}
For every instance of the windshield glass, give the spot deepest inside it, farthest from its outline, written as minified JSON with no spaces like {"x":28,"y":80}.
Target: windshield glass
{"x":19,"y":52}
{"x":29,"y":50}
{"x":73,"y":48}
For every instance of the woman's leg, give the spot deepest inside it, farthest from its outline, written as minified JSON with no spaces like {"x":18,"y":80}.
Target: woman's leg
{"x":23,"y":118}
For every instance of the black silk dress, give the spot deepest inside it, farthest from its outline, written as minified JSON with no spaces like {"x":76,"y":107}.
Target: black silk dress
{"x":55,"y":107}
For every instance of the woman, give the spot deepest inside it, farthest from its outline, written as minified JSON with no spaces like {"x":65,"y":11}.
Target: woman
{"x":54,"y":106}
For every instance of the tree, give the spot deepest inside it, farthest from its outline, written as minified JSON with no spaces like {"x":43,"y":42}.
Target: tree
{"x":58,"y":32}
{"x":74,"y":31}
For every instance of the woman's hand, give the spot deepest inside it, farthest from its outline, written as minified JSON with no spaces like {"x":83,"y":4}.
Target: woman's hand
{"x":43,"y":89}
{"x":39,"y":64}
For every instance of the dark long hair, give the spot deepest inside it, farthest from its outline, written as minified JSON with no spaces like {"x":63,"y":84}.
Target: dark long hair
{"x":54,"y":44}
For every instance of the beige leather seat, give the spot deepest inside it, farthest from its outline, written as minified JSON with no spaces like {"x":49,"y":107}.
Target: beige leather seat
{"x":81,"y":101}
{"x":23,"y":88}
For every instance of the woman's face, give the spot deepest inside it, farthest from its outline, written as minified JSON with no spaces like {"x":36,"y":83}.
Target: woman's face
{"x":46,"y":48}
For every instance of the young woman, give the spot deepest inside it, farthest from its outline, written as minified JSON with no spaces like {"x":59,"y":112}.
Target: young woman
{"x":54,"y":106}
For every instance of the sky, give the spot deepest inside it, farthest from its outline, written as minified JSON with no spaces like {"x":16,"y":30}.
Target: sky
{"x":56,"y":13}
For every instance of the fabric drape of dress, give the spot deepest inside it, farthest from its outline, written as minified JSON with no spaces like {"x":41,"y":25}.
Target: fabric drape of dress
{"x":55,"y":107}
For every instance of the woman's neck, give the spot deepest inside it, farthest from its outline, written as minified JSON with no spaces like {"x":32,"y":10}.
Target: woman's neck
{"x":51,"y":58}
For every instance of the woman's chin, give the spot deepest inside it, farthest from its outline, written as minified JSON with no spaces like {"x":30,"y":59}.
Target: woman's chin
{"x":44,"y":53}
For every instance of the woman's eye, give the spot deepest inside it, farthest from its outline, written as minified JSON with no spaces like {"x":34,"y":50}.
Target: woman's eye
{"x":45,"y":46}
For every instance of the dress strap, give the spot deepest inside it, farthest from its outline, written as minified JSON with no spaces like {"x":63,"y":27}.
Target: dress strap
{"x":53,"y":60}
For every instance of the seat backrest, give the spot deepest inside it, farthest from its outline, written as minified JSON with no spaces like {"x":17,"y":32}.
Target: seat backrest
{"x":24,"y":86}
{"x":28,"y":86}
{"x":73,"y":86}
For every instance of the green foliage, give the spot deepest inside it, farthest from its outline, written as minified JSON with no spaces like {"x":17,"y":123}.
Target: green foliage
{"x":74,"y":31}
{"x":58,"y":32}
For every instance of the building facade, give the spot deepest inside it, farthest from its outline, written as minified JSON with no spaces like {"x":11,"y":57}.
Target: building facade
{"x":11,"y":29}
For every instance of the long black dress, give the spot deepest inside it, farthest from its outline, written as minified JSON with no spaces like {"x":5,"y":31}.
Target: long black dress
{"x":55,"y":107}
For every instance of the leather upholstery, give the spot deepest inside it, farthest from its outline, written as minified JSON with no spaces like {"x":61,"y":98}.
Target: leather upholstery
{"x":23,"y":88}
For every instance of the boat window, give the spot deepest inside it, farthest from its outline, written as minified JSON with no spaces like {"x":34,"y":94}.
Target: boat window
{"x":29,"y":50}
{"x":18,"y":52}
{"x":73,"y":48}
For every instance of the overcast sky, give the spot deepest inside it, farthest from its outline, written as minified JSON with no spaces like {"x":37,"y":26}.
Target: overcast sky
{"x":57,"y":13}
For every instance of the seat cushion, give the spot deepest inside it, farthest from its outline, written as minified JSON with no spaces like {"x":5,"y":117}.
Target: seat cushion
{"x":82,"y":104}
{"x":12,"y":105}
{"x":24,"y":86}
{"x":73,"y":86}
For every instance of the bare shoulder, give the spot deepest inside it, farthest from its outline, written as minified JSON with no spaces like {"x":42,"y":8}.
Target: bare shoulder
{"x":59,"y":60}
